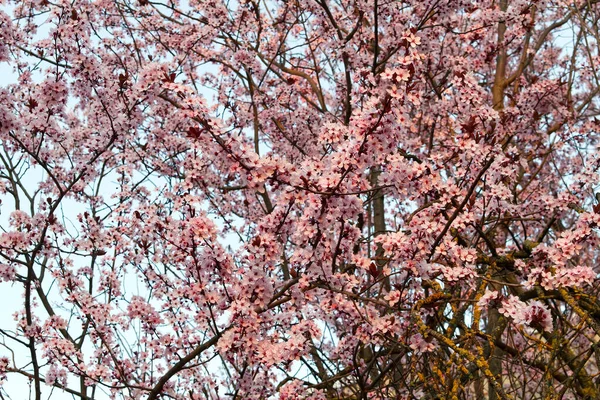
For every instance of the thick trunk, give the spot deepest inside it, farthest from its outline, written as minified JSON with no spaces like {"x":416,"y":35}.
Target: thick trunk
{"x":493,"y":329}
{"x":379,"y":227}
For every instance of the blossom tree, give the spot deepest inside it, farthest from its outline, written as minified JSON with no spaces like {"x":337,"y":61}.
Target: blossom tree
{"x":308,"y":199}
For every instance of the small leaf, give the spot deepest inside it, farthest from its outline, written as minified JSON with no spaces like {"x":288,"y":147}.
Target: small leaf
{"x":193,"y":132}
{"x":373,"y":270}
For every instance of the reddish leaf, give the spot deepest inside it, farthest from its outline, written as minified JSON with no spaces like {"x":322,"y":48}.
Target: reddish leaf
{"x":373,"y":270}
{"x":193,"y":132}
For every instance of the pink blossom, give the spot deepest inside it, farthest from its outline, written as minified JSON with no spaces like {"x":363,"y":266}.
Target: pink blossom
{"x":421,"y":345}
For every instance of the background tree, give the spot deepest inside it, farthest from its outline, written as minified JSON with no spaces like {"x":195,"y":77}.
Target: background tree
{"x":309,"y":199}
